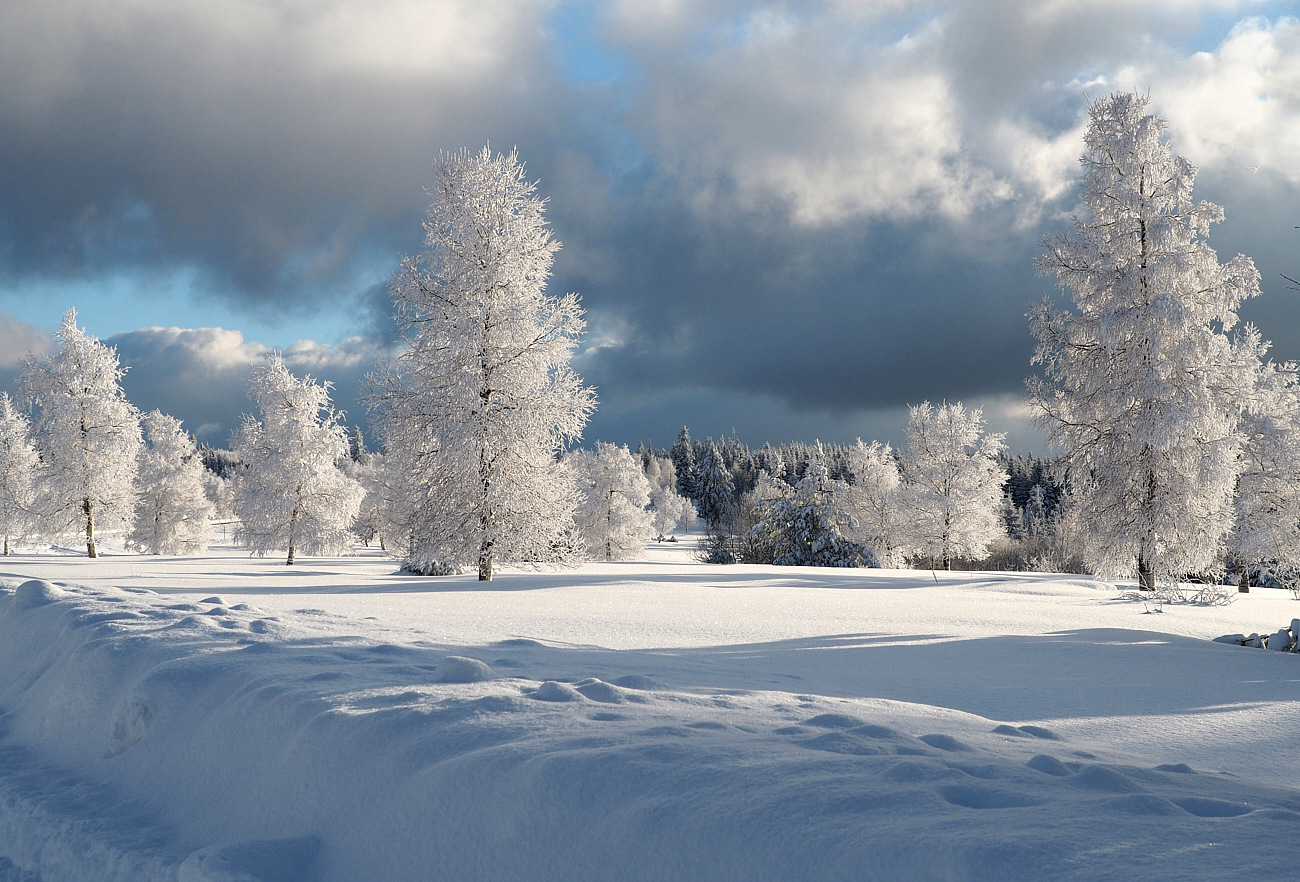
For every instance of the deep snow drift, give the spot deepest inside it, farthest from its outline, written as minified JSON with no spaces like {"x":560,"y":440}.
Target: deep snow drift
{"x":227,"y":718}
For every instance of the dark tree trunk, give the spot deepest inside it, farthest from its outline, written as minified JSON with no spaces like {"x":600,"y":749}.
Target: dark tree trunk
{"x":1146,"y":575}
{"x":90,"y":527}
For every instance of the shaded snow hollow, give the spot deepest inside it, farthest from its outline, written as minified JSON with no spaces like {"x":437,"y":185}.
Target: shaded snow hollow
{"x":659,"y":720}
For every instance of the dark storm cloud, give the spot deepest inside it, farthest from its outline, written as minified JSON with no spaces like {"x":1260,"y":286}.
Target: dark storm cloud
{"x":820,"y":211}
{"x":201,"y":376}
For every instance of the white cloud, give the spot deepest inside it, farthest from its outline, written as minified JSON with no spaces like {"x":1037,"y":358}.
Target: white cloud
{"x":17,"y":338}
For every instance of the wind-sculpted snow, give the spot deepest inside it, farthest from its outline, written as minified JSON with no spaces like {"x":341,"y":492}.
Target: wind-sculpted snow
{"x":203,"y":737}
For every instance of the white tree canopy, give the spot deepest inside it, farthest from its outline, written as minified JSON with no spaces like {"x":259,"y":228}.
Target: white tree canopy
{"x":19,"y":463}
{"x":874,"y":501}
{"x":87,"y":433}
{"x":288,"y":489}
{"x":807,"y":526}
{"x":952,"y":489}
{"x":671,"y":510}
{"x":1143,"y":389}
{"x":482,"y":400}
{"x":172,"y":512}
{"x":612,"y":516}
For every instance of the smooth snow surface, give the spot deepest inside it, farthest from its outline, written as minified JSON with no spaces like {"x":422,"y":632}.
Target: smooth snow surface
{"x":227,"y":718}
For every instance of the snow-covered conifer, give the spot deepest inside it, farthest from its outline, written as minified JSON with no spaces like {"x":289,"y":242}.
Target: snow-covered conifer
{"x":952,"y":489}
{"x":612,"y":517}
{"x":19,"y":463}
{"x":714,"y":489}
{"x":475,"y":410}
{"x":1143,"y":387}
{"x":87,"y":433}
{"x":683,"y":456}
{"x":172,"y":512}
{"x":807,"y":526}
{"x":289,"y":491}
{"x":874,"y":501}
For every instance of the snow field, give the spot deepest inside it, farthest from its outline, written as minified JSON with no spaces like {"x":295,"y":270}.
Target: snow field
{"x":652,"y":720}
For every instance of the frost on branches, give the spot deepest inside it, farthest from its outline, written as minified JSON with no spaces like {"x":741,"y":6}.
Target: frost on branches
{"x":477,"y":408}
{"x":875,"y":503}
{"x":172,"y":511}
{"x":806,"y":527}
{"x":19,"y":463}
{"x":611,"y":516}
{"x":670,"y":509}
{"x":1143,"y":388}
{"x":953,"y":487}
{"x":289,"y":491}
{"x":1267,"y":502}
{"x":87,"y":433}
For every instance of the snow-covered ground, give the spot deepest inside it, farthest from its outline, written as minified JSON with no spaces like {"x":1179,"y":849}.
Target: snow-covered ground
{"x":230,"y":718}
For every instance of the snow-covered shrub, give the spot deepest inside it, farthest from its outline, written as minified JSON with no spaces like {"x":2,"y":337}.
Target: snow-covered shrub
{"x":19,"y":463}
{"x":806,"y":527}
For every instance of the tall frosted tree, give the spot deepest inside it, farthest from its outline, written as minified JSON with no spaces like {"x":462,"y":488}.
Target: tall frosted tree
{"x":19,"y":463}
{"x":1266,"y":531}
{"x":87,"y":433}
{"x":172,"y":512}
{"x":612,"y":516}
{"x":713,"y":485}
{"x":671,"y":510}
{"x":875,"y":501}
{"x":1143,"y":387}
{"x":952,"y":489}
{"x":289,"y":492}
{"x":476,"y":409}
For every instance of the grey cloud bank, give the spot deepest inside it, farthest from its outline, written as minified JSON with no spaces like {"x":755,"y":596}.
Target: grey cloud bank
{"x":787,"y":219}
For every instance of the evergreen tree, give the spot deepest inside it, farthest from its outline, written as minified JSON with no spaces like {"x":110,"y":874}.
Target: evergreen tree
{"x":683,"y":457}
{"x":477,"y":407}
{"x":19,"y":463}
{"x":1143,"y":387}
{"x":807,"y":527}
{"x":87,"y":434}
{"x":172,"y":511}
{"x":714,"y":491}
{"x":289,"y":491}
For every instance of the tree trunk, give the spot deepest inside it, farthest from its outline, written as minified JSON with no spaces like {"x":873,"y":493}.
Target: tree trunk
{"x":1146,"y":575}
{"x":6,"y":544}
{"x":1243,"y":583}
{"x":289,"y":562}
{"x":485,"y":561}
{"x":90,"y":527}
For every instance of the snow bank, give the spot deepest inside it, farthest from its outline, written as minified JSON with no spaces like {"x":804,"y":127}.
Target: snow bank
{"x":145,"y":736}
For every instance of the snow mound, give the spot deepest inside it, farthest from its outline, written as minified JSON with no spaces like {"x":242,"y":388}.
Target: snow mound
{"x":266,"y":860}
{"x":34,"y":593}
{"x":458,"y":669}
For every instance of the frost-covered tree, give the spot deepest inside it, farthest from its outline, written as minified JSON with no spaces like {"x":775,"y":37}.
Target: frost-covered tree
{"x":87,"y":433}
{"x":476,"y":409}
{"x":952,"y":489}
{"x":807,"y":526}
{"x":19,"y":463}
{"x":289,"y":492}
{"x":671,"y":510}
{"x":874,"y":501}
{"x":612,"y":516}
{"x":1267,"y":502}
{"x":172,"y":512}
{"x":1143,"y":387}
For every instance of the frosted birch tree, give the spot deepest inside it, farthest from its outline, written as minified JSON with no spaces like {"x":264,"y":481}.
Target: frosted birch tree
{"x":875,"y":502}
{"x":1143,"y":388}
{"x":19,"y":463}
{"x":671,"y":510}
{"x":289,"y":492}
{"x":87,"y":434}
{"x":612,"y":516}
{"x":952,"y":482}
{"x":477,"y":408}
{"x":172,"y":512}
{"x":1266,"y":533}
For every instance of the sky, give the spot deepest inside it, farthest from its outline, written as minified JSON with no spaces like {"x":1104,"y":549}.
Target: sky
{"x":785,"y":220}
